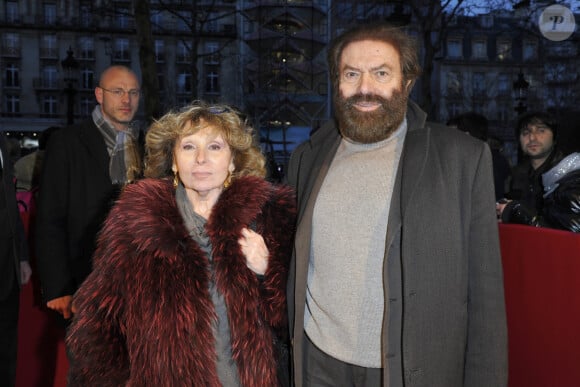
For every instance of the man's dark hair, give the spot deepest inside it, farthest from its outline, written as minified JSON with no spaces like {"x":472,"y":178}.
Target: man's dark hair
{"x":537,"y":118}
{"x":473,"y":123}
{"x":405,"y":45}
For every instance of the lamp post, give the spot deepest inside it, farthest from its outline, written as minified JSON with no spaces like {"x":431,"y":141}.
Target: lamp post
{"x":69,"y":65}
{"x":521,"y":92}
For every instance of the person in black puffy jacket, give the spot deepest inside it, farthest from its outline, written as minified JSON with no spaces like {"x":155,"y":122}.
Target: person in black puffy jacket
{"x":561,"y":208}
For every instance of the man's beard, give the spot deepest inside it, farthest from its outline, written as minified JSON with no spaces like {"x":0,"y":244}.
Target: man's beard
{"x":542,"y":155}
{"x":373,"y":126}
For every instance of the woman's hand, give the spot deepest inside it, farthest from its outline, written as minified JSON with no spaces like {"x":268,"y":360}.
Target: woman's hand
{"x":255,"y":250}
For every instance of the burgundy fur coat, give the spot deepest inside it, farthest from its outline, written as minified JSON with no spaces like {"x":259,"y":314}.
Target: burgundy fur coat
{"x":144,"y":315}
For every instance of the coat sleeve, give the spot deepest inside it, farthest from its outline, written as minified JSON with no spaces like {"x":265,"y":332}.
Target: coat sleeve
{"x":95,"y":341}
{"x":486,"y":351}
{"x":51,"y":234}
{"x":279,"y":221}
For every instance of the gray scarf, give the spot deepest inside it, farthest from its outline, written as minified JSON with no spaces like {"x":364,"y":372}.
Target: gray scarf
{"x":124,"y":161}
{"x":194,"y":222}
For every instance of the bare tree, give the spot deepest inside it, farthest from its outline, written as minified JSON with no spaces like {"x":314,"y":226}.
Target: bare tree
{"x":432,"y":19}
{"x":150,"y":82}
{"x":197,"y":21}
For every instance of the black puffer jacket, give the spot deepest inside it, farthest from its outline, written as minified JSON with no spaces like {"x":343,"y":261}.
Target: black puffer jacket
{"x":561,"y":208}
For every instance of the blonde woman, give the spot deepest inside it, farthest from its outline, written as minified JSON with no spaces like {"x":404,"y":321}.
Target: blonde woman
{"x":188,"y":286}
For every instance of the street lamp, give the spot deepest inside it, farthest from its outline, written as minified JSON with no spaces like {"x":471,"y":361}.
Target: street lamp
{"x":521,"y":92}
{"x":69,"y":65}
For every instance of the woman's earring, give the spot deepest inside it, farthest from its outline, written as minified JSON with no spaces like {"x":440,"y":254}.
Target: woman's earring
{"x":175,"y":180}
{"x":228,"y":180}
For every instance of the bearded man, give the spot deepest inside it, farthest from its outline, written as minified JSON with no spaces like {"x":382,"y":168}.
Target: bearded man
{"x":537,"y":133}
{"x":396,"y":276}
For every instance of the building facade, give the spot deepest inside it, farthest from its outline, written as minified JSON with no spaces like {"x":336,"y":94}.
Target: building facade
{"x":268,"y":58}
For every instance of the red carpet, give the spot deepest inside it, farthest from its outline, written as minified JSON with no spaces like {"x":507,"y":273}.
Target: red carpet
{"x":42,"y":358}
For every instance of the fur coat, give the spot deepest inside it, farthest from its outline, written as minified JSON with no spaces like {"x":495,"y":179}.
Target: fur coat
{"x":145,"y":315}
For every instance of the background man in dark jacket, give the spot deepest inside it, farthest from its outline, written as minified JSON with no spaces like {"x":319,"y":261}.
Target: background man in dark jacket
{"x":14,"y":268}
{"x":537,"y":134}
{"x":83,"y":169}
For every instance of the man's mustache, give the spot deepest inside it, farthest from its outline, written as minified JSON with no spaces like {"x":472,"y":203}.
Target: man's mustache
{"x":365,"y":98}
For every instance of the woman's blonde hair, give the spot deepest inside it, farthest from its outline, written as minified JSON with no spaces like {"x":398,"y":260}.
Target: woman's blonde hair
{"x":165,"y":132}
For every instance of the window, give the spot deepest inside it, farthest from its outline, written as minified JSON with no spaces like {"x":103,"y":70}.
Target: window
{"x":454,"y":49}
{"x":322,"y":29}
{"x":249,"y":27}
{"x":122,"y":49}
{"x":86,"y":16}
{"x":12,"y":12}
{"x":183,"y":21}
{"x":478,"y":84}
{"x":454,"y":83}
{"x":503,"y":85}
{"x":11,"y":44}
{"x":454,"y":109}
{"x":212,"y":81}
{"x":530,"y":51}
{"x":49,"y":77}
{"x":87,"y":105}
{"x":87,"y":79}
{"x":344,"y":10}
{"x":211,"y":24}
{"x":212,"y":53}
{"x":12,"y":76}
{"x":503,"y":112}
{"x":122,"y":18}
{"x":49,"y":13}
{"x":504,"y":50}
{"x":48,"y":47}
{"x":480,"y":49}
{"x":181,"y":101}
{"x":49,"y":105}
{"x":159,"y":50}
{"x":12,"y":103}
{"x":184,"y":82}
{"x":486,"y":21}
{"x":156,"y":20}
{"x":87,"y":47}
{"x":183,"y":52}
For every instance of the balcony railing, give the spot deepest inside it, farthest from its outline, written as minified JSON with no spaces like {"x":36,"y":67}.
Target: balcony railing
{"x":11,"y":52}
{"x":48,"y":53}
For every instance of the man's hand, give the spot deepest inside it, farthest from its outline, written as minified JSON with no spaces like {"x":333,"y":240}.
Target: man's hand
{"x":25,"y":272}
{"x":62,"y":305}
{"x":499,"y":207}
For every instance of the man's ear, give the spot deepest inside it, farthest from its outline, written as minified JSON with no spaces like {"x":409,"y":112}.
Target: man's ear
{"x":99,"y":95}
